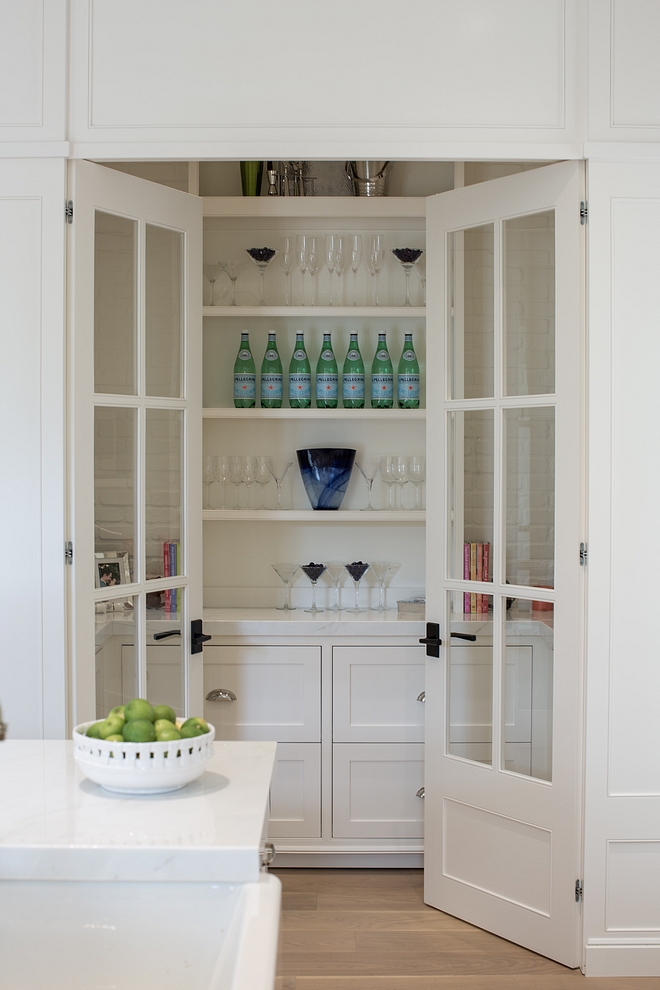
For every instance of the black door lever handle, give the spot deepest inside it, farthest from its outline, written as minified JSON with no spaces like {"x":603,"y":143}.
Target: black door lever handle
{"x":432,"y":640}
{"x":197,"y":637}
{"x":170,"y":632}
{"x":469,"y":636}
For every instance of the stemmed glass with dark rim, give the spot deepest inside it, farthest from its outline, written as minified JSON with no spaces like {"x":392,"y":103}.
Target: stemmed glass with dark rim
{"x":262,"y":257}
{"x":313,"y":572}
{"x":357,"y":570}
{"x":408,"y":257}
{"x":285,"y":572}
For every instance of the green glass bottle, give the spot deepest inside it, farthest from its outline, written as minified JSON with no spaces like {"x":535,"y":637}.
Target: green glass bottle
{"x":353,"y":376}
{"x":245,"y":379}
{"x":327,"y":377}
{"x":382,"y":377}
{"x":271,"y":376}
{"x":300,"y":376}
{"x":408,"y":376}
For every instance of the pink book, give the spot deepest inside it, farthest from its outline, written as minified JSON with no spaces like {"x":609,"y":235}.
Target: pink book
{"x":486,"y":571}
{"x":166,"y":572}
{"x":480,"y":574}
{"x":466,"y":576}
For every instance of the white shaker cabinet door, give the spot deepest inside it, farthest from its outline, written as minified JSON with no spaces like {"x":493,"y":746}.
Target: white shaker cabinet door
{"x":376,"y":790}
{"x":277,"y":692}
{"x":376,"y":693}
{"x":295,"y":794}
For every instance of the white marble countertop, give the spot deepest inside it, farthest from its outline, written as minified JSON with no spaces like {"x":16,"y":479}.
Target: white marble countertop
{"x":57,"y":825}
{"x":272,"y":622}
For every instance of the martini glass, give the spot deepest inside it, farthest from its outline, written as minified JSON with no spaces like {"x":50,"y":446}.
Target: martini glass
{"x":408,"y":258}
{"x":357,"y":570}
{"x":212,"y":273}
{"x":313,"y":572}
{"x":285,"y":572}
{"x":381,"y":569}
{"x":336,"y":571}
{"x":232,"y":269}
{"x":262,"y":257}
{"x":368,"y":468}
{"x":278,"y":469}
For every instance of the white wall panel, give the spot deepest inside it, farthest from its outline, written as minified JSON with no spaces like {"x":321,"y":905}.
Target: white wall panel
{"x":633,"y":881}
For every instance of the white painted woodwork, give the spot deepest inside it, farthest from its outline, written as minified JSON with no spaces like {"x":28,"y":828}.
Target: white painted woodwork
{"x":33,"y":671}
{"x":376,"y":692}
{"x":375,"y":790}
{"x":278,"y":692}
{"x":622,"y":802}
{"x":295,"y":793}
{"x":495,"y":790}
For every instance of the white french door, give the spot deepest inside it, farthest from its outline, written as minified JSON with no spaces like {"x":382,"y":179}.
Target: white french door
{"x":504,"y":523}
{"x":134,"y":262}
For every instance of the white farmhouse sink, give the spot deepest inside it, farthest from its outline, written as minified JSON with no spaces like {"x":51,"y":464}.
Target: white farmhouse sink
{"x":68,"y":935}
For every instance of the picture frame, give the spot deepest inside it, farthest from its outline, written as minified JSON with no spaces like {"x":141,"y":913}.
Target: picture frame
{"x":111,"y":569}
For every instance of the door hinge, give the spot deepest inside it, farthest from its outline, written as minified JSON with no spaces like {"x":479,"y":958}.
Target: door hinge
{"x":68,"y":211}
{"x":68,"y":552}
{"x":584,"y":554}
{"x":584,"y":212}
{"x":578,"y":891}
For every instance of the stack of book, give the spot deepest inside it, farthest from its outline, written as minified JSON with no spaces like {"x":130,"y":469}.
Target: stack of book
{"x":171,"y":567}
{"x":476,"y":567}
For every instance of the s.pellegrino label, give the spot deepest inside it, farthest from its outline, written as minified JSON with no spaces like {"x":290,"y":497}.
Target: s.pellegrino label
{"x":300,"y":376}
{"x":245,"y":379}
{"x":353,"y":376}
{"x":382,"y":377}
{"x":327,"y":376}
{"x":408,"y":377}
{"x":271,"y":376}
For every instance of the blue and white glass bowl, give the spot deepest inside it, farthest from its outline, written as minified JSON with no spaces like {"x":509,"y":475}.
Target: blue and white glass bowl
{"x":326,"y":472}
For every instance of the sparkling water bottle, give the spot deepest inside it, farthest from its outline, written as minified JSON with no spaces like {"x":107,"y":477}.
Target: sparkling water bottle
{"x":300,"y":376}
{"x":327,"y":378}
{"x":245,"y":379}
{"x":408,"y":377}
{"x":353,"y":376}
{"x":271,"y":376}
{"x":382,"y":377}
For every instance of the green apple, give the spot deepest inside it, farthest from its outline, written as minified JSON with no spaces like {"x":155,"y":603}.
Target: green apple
{"x":113,"y":725}
{"x":139,"y":730}
{"x":164,"y":711}
{"x":94,"y":731}
{"x":193,"y":727}
{"x":138,"y":708}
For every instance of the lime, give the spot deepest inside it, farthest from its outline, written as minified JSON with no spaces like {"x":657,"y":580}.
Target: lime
{"x":138,"y":708}
{"x":199,"y":726}
{"x":118,"y":710}
{"x":94,"y":731}
{"x":111,"y":726}
{"x":139,"y":730}
{"x":116,"y":737}
{"x":164,"y":735}
{"x":163,"y":723}
{"x":164,"y":711}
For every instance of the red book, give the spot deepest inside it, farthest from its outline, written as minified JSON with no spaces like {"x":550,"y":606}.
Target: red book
{"x":486,"y":571}
{"x":466,"y":576}
{"x":166,"y":572}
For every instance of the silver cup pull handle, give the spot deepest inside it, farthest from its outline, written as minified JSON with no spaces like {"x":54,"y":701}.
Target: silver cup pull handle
{"x":421,"y":792}
{"x":421,"y":696}
{"x":221,"y":694}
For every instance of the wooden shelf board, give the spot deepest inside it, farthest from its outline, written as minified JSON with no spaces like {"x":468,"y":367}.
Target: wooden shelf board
{"x":386,"y":415}
{"x":339,"y":312}
{"x":314,"y":206}
{"x":309,"y":515}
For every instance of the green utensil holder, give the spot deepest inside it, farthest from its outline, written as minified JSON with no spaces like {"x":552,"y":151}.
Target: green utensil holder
{"x":251,"y":173}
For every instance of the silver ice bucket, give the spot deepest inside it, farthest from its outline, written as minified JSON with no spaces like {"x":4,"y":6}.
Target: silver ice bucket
{"x":369,"y":178}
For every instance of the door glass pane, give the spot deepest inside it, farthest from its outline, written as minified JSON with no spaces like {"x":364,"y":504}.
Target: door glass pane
{"x":164,"y":492}
{"x":164,"y":310}
{"x":114,"y":494}
{"x":530,"y":496}
{"x":527,"y":695}
{"x":116,"y":672}
{"x":115,"y":308}
{"x":471,"y":493}
{"x":470,"y":682}
{"x":471,"y":313}
{"x":529,"y":304}
{"x":165,"y":657}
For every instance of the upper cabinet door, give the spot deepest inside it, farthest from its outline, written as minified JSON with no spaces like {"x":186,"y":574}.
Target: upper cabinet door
{"x":504,"y":523}
{"x":135,"y":318}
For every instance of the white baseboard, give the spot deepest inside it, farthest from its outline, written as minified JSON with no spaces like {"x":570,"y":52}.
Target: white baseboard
{"x":349,"y":861}
{"x":622,"y":957}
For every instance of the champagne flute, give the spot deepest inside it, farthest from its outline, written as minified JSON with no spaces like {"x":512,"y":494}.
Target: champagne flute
{"x":313,"y":256}
{"x":375,"y":260}
{"x":368,"y":468}
{"x":278,"y":469}
{"x":285,"y":572}
{"x":235,"y":478}
{"x":330,"y":251}
{"x":208,"y":478}
{"x":232,"y":269}
{"x":417,"y":471}
{"x":357,"y":570}
{"x":212,"y":273}
{"x":386,"y":468}
{"x":355,"y":259}
{"x":222,"y":471}
{"x":381,"y":569}
{"x":262,"y":477}
{"x":287,"y":259}
{"x":313,"y":572}
{"x":400,"y":470}
{"x":335,"y":570}
{"x":340,"y":265}
{"x":248,"y":474}
{"x":301,"y":258}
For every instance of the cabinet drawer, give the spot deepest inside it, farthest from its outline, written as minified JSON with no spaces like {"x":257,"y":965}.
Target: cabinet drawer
{"x":295,"y":793}
{"x":277,"y":688}
{"x":375,"y":691}
{"x":375,"y":787}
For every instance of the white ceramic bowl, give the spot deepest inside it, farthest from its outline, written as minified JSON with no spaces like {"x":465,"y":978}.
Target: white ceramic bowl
{"x":142,"y":768}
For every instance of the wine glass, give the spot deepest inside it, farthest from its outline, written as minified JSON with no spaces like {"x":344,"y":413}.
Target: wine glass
{"x":313,"y":256}
{"x":232,"y":269}
{"x":336,"y":571}
{"x":357,"y":570}
{"x":287,"y":258}
{"x":278,"y":469}
{"x":420,"y":268}
{"x":248,"y":474}
{"x":285,"y":572}
{"x":355,"y":259}
{"x":386,"y":468}
{"x":212,"y":273}
{"x":301,"y":258}
{"x":313,"y":572}
{"x":208,"y":478}
{"x":340,"y":265}
{"x":408,"y":258}
{"x":400,"y":471}
{"x":417,"y":473}
{"x":262,"y":477}
{"x":330,"y":258}
{"x":368,"y":468}
{"x":375,"y":260}
{"x":235,"y":478}
{"x":222,"y":471}
{"x":262,"y":257}
{"x":381,"y":569}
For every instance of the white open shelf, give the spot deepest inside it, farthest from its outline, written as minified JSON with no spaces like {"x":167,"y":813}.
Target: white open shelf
{"x":314,"y":207}
{"x":314,"y":515}
{"x":340,"y":312}
{"x":229,"y":412}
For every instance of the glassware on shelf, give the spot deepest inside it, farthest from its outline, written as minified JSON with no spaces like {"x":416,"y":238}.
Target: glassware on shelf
{"x":235,"y":478}
{"x":420,"y":268}
{"x":375,"y":261}
{"x":208,"y":478}
{"x":232,"y":269}
{"x":301,"y":258}
{"x":262,"y":257}
{"x":400,"y":471}
{"x":287,"y":259}
{"x":417,"y":474}
{"x":248,"y":474}
{"x":327,"y":376}
{"x":408,"y":257}
{"x":278,"y":468}
{"x":313,"y":256}
{"x":335,"y":571}
{"x":330,"y":260}
{"x":368,"y":468}
{"x":222,"y":471}
{"x":313,"y":572}
{"x":300,"y":375}
{"x":340,"y":265}
{"x":262,"y":477}
{"x":357,"y":570}
{"x":325,"y":473}
{"x":386,"y":468}
{"x":353,"y":376}
{"x":355,"y":259}
{"x":285,"y":572}
{"x":271,"y":375}
{"x":212,"y":273}
{"x":381,"y":569}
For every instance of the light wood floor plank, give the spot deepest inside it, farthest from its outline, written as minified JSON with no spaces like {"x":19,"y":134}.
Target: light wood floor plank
{"x":295,"y":901}
{"x":570,"y":980}
{"x":330,"y":941}
{"x":380,"y":921}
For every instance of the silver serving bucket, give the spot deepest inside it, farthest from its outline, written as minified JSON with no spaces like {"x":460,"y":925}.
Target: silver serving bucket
{"x":369,"y":178}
